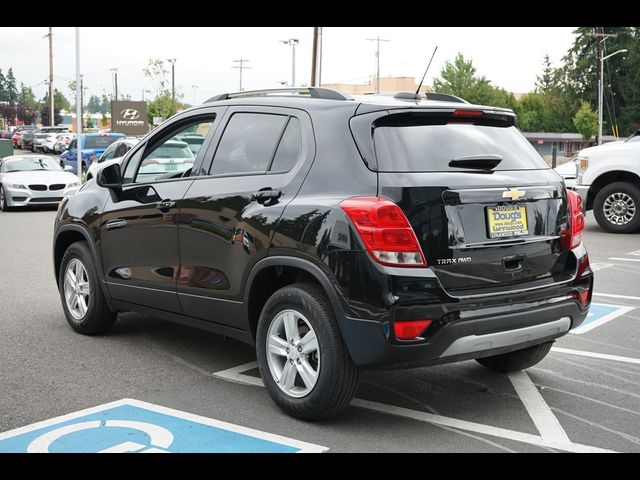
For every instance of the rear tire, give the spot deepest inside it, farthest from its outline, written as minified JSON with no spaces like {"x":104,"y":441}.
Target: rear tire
{"x":617,"y":208}
{"x":336,"y":377}
{"x":90,"y":314}
{"x":518,"y":360}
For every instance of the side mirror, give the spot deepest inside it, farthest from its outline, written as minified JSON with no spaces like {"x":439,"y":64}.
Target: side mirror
{"x":68,"y":168}
{"x":110,"y":177}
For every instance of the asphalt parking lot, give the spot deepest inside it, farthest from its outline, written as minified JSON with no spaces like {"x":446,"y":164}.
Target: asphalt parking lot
{"x":585,"y":396}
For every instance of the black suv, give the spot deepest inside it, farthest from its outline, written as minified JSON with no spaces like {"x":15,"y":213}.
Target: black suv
{"x":333,"y":234}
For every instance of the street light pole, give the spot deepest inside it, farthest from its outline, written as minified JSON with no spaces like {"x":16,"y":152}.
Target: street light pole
{"x":293,"y":42}
{"x":172,"y":61}
{"x":194,"y":94}
{"x":115,"y":83}
{"x":240,"y":67}
{"x":601,"y":90}
{"x":78,"y":107}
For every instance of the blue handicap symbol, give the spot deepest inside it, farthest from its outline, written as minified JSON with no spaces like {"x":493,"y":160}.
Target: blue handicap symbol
{"x":135,"y":426}
{"x":600,"y":314}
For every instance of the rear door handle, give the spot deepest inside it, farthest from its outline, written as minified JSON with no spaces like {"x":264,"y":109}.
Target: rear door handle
{"x":165,"y":205}
{"x":262,"y":196}
{"x":116,"y":223}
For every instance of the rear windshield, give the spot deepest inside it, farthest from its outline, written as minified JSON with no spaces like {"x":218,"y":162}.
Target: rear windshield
{"x":430,"y":148}
{"x":99,"y":142}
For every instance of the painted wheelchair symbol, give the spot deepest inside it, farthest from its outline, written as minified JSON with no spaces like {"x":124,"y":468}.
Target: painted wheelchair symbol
{"x":161,"y":438}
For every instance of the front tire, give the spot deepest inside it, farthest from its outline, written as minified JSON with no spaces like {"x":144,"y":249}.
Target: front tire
{"x":518,"y":360}
{"x":3,"y":201}
{"x":82,"y":298}
{"x":617,"y":208}
{"x":302,"y":358}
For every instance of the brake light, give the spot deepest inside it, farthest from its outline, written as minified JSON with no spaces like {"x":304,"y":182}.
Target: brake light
{"x":572,"y":237}
{"x":468,"y":113}
{"x":410,"y":329}
{"x":385,"y":231}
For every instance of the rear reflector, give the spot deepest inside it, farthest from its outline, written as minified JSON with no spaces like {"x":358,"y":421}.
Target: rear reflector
{"x":385,"y":231}
{"x":410,"y":329}
{"x":583,"y":296}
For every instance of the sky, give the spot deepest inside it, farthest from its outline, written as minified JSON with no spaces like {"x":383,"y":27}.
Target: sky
{"x":511,"y":57}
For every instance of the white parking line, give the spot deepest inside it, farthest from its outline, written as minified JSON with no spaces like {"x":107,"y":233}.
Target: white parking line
{"x":475,"y":427}
{"x":625,"y":259}
{"x":544,"y":419}
{"x":596,"y":355}
{"x":611,"y":295}
{"x":235,"y":375}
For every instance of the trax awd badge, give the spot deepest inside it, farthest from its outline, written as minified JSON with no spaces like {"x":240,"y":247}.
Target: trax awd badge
{"x":453,"y":261}
{"x":513,"y":194}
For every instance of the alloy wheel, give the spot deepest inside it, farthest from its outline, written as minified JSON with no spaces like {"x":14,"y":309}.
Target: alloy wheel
{"x":76,"y":289}
{"x":293,"y":353}
{"x":619,"y":208}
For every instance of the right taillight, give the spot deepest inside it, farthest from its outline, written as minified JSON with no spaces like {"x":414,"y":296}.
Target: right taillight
{"x":572,"y":237}
{"x":385,"y":231}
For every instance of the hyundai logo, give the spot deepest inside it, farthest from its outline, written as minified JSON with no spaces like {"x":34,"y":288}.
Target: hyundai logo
{"x":130,"y":114}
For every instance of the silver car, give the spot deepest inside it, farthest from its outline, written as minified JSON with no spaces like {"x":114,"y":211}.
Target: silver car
{"x":28,"y":180}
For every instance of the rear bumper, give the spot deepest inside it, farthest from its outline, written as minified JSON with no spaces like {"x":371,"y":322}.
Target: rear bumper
{"x":463,"y":327}
{"x":369,"y":344}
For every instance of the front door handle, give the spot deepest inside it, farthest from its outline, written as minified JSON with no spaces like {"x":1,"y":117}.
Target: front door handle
{"x":165,"y":205}
{"x":265,"y":195}
{"x":116,"y":223}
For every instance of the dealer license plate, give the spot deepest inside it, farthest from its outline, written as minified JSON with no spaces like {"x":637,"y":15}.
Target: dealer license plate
{"x":507,"y":221}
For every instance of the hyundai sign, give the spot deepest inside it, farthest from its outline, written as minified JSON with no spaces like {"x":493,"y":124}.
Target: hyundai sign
{"x":129,"y":118}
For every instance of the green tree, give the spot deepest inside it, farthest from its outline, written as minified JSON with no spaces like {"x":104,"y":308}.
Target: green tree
{"x":10,"y":86}
{"x":586,"y":121}
{"x":157,"y":73}
{"x":27,"y":98}
{"x":60,"y":102}
{"x":161,"y":106}
{"x":530,"y":112}
{"x":106,"y":105}
{"x":4,"y":96}
{"x":94,"y":105}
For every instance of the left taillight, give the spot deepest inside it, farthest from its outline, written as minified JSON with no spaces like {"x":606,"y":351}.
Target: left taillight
{"x":385,"y":231}
{"x":572,"y":237}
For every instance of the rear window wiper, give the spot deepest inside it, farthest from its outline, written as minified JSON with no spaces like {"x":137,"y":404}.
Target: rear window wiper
{"x":476,"y":162}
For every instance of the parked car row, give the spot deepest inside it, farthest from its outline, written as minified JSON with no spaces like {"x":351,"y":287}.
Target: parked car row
{"x":32,"y":138}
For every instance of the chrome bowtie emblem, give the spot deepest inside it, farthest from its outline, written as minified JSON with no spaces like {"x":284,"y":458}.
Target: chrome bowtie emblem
{"x":513,"y":194}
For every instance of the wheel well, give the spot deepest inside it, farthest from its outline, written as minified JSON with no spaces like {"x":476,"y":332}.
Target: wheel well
{"x":267,"y":282}
{"x":64,"y":240}
{"x":606,"y":179}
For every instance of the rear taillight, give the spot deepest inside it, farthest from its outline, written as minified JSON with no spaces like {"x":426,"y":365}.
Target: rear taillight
{"x":410,"y":329}
{"x":385,"y":231}
{"x":572,"y":237}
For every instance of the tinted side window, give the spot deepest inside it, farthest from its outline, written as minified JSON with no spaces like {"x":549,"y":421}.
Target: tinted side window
{"x":108,"y":154}
{"x":248,"y":143}
{"x":121,"y":150}
{"x":289,"y":148}
{"x":132,"y":165}
{"x":73,"y":144}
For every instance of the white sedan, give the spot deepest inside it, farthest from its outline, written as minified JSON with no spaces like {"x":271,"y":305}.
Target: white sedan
{"x":568,"y":172}
{"x":28,"y":180}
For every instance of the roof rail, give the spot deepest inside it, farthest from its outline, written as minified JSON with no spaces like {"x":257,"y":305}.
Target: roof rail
{"x":313,"y":92}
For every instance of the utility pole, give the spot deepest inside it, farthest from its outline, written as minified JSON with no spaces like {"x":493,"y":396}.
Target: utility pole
{"x":377,"y":40}
{"x":293,"y":42}
{"x":600,"y":38}
{"x":172,"y":61}
{"x":241,"y":67}
{"x":115,"y":83}
{"x":316,"y":58}
{"x":78,"y":113}
{"x":81,"y":101}
{"x":51,"y":105}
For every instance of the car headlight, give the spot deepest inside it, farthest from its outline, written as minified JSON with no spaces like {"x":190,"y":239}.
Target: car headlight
{"x":16,"y":185}
{"x":73,"y":184}
{"x":582,"y":163}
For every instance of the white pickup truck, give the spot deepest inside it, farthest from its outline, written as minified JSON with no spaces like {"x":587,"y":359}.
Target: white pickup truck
{"x":608,"y":180}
